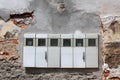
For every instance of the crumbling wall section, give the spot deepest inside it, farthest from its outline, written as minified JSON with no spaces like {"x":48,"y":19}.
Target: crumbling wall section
{"x":111,"y":47}
{"x":111,"y":44}
{"x":13,"y":70}
{"x":112,"y":54}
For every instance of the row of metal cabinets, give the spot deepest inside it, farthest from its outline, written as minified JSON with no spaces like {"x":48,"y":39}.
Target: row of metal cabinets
{"x":60,"y":50}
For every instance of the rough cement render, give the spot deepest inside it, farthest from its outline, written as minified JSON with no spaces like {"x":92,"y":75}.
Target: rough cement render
{"x":15,"y":71}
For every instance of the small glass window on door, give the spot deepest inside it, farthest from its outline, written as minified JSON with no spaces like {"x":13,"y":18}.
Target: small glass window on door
{"x":29,"y":41}
{"x":79,"y":42}
{"x":66,"y":42}
{"x":41,"y":42}
{"x":91,"y":42}
{"x":53,"y":42}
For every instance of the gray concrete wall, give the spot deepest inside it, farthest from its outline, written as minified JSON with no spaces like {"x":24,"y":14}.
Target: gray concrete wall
{"x":49,"y":20}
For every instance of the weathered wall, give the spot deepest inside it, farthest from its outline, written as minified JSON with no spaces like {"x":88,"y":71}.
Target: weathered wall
{"x":111,"y":39}
{"x":77,"y":15}
{"x":111,"y":45}
{"x":13,"y":70}
{"x":47,"y":19}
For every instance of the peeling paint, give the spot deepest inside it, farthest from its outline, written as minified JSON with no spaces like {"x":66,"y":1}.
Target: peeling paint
{"x":22,"y":20}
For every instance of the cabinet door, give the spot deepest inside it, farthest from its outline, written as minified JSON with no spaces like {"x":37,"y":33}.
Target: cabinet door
{"x":66,"y":51}
{"x":92,"y":51}
{"x":54,"y":51}
{"x":79,"y":51}
{"x":41,"y":50}
{"x":29,"y":50}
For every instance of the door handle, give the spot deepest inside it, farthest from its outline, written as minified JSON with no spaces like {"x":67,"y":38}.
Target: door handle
{"x":46,"y":57}
{"x":84,"y":56}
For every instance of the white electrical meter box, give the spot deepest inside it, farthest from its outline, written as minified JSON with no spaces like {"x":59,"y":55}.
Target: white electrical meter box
{"x":66,"y":51}
{"x":91,"y":50}
{"x":41,"y":50}
{"x":54,"y":51}
{"x":29,"y":50}
{"x":79,"y":51}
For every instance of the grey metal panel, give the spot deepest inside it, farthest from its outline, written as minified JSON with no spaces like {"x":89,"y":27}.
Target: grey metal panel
{"x":41,"y":52}
{"x":54,"y":52}
{"x":29,"y":57}
{"x":54,"y":57}
{"x":66,"y":52}
{"x":41,"y":56}
{"x":91,"y":52}
{"x":79,"y":52}
{"x":92,"y":57}
{"x":29,"y":52}
{"x":66,"y":57}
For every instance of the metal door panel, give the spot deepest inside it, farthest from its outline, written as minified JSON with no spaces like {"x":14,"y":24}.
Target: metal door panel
{"x":92,"y":58}
{"x":79,"y":57}
{"x":41,"y":51}
{"x":92,"y":51}
{"x":54,"y":57}
{"x":79,"y":52}
{"x":29,"y":51}
{"x":66,"y":57}
{"x":29,"y":57}
{"x":41,"y":57}
{"x":66,"y":61}
{"x":66,"y":51}
{"x":54,"y":52}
